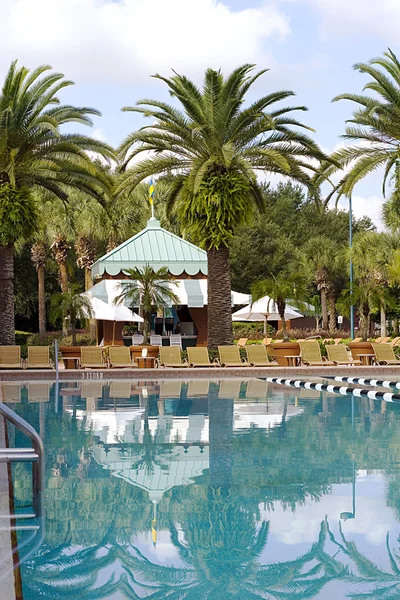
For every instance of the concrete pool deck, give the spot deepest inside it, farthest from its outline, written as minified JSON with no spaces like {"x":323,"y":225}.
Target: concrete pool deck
{"x":383,"y":372}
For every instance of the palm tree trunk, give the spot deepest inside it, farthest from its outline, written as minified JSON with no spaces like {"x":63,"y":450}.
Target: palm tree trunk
{"x":383,"y":321}
{"x":281,"y":310}
{"x":64,"y":277}
{"x":220,"y":412}
{"x":73,"y":331}
{"x":332,"y":312}
{"x":88,"y":286}
{"x":324,"y":309}
{"x":219,"y":310}
{"x":365,"y":322}
{"x":7,"y":315}
{"x":41,"y":300}
{"x":146,"y":325}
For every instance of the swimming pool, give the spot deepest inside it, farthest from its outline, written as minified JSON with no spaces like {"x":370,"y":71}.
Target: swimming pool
{"x":205,"y":489}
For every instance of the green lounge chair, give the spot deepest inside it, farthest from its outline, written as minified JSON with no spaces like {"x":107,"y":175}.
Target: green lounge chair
{"x":310,"y":353}
{"x":340,"y":356}
{"x":199,"y":357}
{"x":10,"y":357}
{"x":92,"y":358}
{"x":120,"y":358}
{"x":170,"y":356}
{"x":38,"y":358}
{"x":257,"y":356}
{"x":384,"y":354}
{"x":229,"y":356}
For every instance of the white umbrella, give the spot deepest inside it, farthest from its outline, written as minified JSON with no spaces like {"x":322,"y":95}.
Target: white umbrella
{"x":112,"y":312}
{"x":265,"y":310}
{"x":101,"y":311}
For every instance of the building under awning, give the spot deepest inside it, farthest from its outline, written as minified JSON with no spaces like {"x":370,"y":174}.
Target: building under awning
{"x":187,"y":264}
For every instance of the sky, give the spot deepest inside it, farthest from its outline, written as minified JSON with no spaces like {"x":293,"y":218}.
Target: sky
{"x":110,"y":49}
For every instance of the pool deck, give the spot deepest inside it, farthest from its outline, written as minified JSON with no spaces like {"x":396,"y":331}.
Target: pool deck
{"x":383,"y":372}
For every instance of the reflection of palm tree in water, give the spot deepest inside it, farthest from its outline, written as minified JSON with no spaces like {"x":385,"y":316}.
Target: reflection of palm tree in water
{"x":151,"y":449}
{"x":381,"y":584}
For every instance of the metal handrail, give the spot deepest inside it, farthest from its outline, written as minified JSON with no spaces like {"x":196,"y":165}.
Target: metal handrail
{"x":38,"y":465}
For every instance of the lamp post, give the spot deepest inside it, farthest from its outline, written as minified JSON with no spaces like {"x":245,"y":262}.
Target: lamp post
{"x":351,"y":269}
{"x":352,"y":515}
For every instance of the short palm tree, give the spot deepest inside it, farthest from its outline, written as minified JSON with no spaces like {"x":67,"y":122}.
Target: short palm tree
{"x":36,"y":155}
{"x":211,"y":148}
{"x":149,"y":290}
{"x":71,"y":306}
{"x":287,"y":286}
{"x":374,"y":127}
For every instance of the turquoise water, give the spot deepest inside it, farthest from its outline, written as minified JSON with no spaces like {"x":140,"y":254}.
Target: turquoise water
{"x":212,"y":490}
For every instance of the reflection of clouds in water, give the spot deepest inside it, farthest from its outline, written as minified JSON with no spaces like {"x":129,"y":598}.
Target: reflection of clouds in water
{"x":373,"y":517}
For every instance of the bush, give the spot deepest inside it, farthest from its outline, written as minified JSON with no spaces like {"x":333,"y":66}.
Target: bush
{"x":250,"y":330}
{"x":301,"y":334}
{"x":82,"y":339}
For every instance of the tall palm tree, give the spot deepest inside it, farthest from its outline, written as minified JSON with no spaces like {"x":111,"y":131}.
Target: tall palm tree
{"x":212,"y":147}
{"x":36,"y":155}
{"x":373,"y":126}
{"x":321,"y":255}
{"x":39,"y":258}
{"x":148,"y":290}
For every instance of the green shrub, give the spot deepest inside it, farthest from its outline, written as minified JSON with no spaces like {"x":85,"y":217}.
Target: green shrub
{"x":250,"y":330}
{"x":82,"y":339}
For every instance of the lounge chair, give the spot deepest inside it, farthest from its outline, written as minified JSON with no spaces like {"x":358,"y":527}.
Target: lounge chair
{"x":385,"y":340}
{"x":257,"y":389}
{"x":10,"y":357}
{"x":378,"y":340}
{"x":198,"y":387}
{"x":384,"y":354}
{"x":155,"y":340}
{"x":120,"y":358}
{"x":92,"y":358}
{"x":175,"y":340}
{"x":257,"y":356}
{"x":340,"y":356}
{"x":310,"y":353}
{"x":198,"y":357}
{"x":337,"y":340}
{"x":229,"y":356}
{"x":359,"y":339}
{"x":38,"y":358}
{"x":10,"y":392}
{"x":230,"y":389}
{"x":120,"y":389}
{"x":242,"y":342}
{"x":170,"y":356}
{"x":267,"y":341}
{"x":170,"y":389}
{"x":38,"y":392}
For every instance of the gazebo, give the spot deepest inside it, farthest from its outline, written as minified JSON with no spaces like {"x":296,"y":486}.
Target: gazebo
{"x":187,"y":266}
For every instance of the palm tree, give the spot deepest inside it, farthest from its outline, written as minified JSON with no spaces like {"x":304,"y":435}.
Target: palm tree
{"x":148,"y":290}
{"x":211,"y":148}
{"x":71,"y":306}
{"x":321,"y":255}
{"x":287,"y":286}
{"x":374,"y":126}
{"x":36,"y":155}
{"x":39,"y":259}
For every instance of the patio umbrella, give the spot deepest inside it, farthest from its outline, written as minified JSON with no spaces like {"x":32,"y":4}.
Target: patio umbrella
{"x":264,"y":310}
{"x":111,"y":312}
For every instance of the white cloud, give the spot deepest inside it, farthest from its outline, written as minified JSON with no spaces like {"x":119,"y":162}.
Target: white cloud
{"x":125,"y":41}
{"x":359,"y":17}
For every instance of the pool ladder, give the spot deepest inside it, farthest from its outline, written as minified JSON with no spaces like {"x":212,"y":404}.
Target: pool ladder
{"x":35,"y":455}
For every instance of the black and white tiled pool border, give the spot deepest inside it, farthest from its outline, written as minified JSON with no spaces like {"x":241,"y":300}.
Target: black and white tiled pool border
{"x":373,"y":382}
{"x":336,"y":389}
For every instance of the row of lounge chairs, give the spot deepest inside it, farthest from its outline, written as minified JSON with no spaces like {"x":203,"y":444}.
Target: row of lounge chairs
{"x":170,"y":356}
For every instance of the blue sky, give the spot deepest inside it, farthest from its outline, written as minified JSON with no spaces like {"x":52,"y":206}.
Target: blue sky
{"x":111,"y":47}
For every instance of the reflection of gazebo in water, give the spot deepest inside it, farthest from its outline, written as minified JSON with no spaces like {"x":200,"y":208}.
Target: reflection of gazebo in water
{"x":187,"y":265}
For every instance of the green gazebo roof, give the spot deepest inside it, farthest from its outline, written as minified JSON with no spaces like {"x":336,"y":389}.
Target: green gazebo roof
{"x":156,"y":247}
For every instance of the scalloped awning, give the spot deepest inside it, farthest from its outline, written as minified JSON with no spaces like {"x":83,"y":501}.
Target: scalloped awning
{"x":156,"y":247}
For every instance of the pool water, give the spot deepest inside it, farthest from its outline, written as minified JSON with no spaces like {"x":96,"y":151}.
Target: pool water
{"x":211,"y":490}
